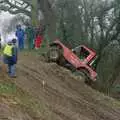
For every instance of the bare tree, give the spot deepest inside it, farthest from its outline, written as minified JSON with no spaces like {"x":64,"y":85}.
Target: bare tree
{"x":31,"y":9}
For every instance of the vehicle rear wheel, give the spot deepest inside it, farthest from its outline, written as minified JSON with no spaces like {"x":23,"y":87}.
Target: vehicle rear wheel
{"x":88,"y":81}
{"x":79,"y":73}
{"x":83,"y":75}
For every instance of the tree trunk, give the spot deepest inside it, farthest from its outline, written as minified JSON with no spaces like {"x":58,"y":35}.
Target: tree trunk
{"x":34,"y":12}
{"x":49,"y":17}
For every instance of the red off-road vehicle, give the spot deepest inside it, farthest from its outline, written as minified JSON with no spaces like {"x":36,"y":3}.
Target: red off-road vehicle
{"x":79,"y":59}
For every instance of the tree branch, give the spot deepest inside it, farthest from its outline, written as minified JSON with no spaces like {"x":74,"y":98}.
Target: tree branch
{"x":22,"y":9}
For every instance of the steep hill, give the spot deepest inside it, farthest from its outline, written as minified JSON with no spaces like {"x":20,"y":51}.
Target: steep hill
{"x":55,"y":94}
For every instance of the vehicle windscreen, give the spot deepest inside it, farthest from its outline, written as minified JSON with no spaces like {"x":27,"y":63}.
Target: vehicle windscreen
{"x":93,"y":63}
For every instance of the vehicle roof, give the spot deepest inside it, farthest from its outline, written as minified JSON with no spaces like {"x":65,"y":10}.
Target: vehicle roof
{"x":87,"y":48}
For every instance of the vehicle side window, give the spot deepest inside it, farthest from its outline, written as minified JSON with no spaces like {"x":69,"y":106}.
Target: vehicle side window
{"x":77,"y":51}
{"x":81,"y":52}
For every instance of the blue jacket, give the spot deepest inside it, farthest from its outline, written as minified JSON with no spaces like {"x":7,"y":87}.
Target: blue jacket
{"x":20,"y":33}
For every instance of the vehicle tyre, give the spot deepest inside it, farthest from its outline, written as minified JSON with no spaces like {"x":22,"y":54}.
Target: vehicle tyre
{"x":79,"y":73}
{"x":84,"y":75}
{"x":53,"y":54}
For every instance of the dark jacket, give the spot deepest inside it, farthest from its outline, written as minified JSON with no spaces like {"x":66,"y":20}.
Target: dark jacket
{"x":14,"y":54}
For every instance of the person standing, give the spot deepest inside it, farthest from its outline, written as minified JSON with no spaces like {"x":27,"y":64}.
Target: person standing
{"x":20,"y":36}
{"x":38,"y":41}
{"x":10,"y":57}
{"x":30,"y":35}
{"x":39,"y":36}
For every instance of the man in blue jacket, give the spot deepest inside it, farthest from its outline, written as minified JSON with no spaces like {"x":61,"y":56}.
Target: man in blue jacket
{"x":20,"y":36}
{"x":10,"y":57}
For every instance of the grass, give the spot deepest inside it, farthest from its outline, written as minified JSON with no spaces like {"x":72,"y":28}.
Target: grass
{"x":40,"y":51}
{"x":7,"y":88}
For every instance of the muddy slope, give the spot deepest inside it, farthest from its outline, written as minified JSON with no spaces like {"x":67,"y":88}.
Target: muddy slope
{"x":66,"y":96}
{"x":9,"y":110}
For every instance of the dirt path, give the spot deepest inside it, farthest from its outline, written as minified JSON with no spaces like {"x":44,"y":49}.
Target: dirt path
{"x":67,"y":98}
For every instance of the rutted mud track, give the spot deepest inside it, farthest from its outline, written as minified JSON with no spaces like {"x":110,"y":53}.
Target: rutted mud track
{"x":67,"y":98}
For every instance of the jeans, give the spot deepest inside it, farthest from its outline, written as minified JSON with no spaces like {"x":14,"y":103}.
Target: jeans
{"x":11,"y":70}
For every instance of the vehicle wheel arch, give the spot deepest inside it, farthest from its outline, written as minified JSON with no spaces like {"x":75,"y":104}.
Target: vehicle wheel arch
{"x":85,"y":70}
{"x":56,"y":45}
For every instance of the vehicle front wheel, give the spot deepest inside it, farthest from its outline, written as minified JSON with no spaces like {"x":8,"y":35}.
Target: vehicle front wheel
{"x":53,"y":54}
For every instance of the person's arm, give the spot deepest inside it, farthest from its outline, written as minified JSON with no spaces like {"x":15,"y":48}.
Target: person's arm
{"x":14,"y":54}
{"x":23,"y":33}
{"x":16,"y":33}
